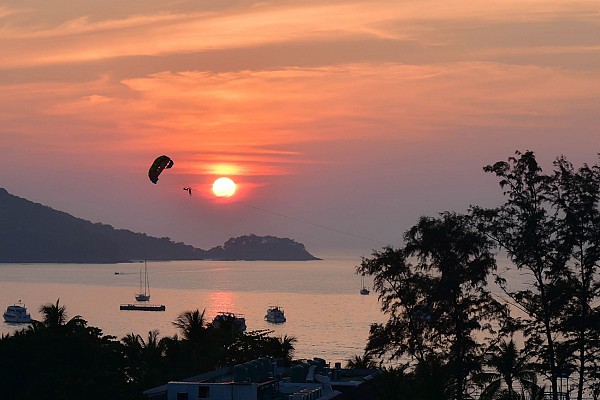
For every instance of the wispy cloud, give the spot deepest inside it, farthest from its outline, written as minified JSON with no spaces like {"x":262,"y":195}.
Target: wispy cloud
{"x":450,"y":74}
{"x":86,"y":38}
{"x":225,"y":115}
{"x":373,"y":96}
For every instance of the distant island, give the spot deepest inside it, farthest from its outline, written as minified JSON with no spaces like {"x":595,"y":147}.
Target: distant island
{"x":33,"y":233}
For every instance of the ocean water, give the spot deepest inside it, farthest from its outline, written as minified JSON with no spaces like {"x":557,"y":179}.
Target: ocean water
{"x":321,"y":299}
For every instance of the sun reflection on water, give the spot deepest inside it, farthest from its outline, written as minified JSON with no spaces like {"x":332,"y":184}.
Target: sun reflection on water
{"x":222,"y":301}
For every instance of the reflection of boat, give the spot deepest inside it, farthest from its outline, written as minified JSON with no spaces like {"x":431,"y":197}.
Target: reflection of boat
{"x":17,"y":313}
{"x":142,"y":307}
{"x":275,"y":315}
{"x":224,"y":319}
{"x":364,"y":289}
{"x":145,"y":286}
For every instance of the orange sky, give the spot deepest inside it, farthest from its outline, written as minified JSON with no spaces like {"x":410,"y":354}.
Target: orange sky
{"x":354,"y":115}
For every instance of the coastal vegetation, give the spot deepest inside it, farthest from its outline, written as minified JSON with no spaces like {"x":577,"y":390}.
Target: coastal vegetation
{"x":64,"y":358}
{"x":447,"y":327}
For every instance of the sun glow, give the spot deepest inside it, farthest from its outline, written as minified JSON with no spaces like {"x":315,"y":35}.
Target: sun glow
{"x":224,"y":187}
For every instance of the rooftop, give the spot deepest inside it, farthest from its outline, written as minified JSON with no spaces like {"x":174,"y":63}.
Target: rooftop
{"x":267,"y":379}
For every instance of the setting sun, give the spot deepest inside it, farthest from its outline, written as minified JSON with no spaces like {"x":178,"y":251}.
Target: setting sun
{"x":224,"y":187}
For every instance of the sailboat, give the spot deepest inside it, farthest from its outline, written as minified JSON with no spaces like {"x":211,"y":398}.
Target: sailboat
{"x":364,"y":289}
{"x":145,"y":286}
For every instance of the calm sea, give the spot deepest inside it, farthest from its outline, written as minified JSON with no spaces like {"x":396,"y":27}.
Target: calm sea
{"x":321,"y":299}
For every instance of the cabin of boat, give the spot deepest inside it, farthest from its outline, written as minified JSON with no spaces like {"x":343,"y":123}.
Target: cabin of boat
{"x":237,"y":321}
{"x":142,"y":307}
{"x":17,"y":314}
{"x":275,"y":315}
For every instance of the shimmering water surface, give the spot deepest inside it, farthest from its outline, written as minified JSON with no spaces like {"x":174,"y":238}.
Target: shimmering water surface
{"x":321,"y":299}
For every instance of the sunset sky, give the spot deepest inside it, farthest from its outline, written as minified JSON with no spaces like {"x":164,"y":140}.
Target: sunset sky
{"x":341,"y":122}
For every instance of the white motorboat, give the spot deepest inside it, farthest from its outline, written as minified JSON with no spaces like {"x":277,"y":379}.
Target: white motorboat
{"x":275,"y":315}
{"x":237,"y":321}
{"x":17,"y":314}
{"x":144,"y":294}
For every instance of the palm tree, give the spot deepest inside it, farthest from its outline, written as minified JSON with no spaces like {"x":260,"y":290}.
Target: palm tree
{"x":132,"y":352}
{"x":132,"y":344}
{"x":191,"y":324}
{"x":281,"y":347}
{"x":146,"y":364}
{"x":285,"y":347}
{"x":152,"y":348}
{"x":508,"y":366}
{"x":55,"y":315}
{"x":361,"y":362}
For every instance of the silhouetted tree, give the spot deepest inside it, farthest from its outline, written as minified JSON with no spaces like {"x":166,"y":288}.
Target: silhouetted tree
{"x":527,"y":228}
{"x":434,"y":291}
{"x":576,"y":195}
{"x":429,"y":380}
{"x":507,"y":366}
{"x":132,"y":353}
{"x":55,"y":316}
{"x":196,"y":350}
{"x":62,"y":359}
{"x":365,"y":361}
{"x":549,"y":227}
{"x":153,"y":350}
{"x":394,"y":384}
{"x":204,"y":346}
{"x":282,"y":347}
{"x":192,"y":325}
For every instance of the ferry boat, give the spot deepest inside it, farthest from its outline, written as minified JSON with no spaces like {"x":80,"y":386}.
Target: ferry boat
{"x":275,"y":315}
{"x":238,"y":321}
{"x":17,"y":314}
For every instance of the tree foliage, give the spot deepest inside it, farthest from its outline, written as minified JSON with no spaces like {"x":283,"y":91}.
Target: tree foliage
{"x":549,"y":225}
{"x":508,"y":373}
{"x":69,"y":359}
{"x":434,"y":293}
{"x":65,"y":359}
{"x":576,"y":195}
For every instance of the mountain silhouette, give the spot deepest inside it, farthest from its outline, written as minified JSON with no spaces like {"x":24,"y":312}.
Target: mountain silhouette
{"x":33,"y":233}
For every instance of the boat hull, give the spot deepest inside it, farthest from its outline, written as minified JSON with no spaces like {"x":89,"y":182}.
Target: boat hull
{"x":275,"y":320}
{"x":142,"y":307}
{"x":16,"y":320}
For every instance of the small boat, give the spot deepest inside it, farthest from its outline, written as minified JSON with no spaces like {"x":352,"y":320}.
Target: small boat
{"x":144,"y":294}
{"x":275,"y":315}
{"x":17,"y":314}
{"x":364,"y":290}
{"x":237,"y":321}
{"x":142,"y":307}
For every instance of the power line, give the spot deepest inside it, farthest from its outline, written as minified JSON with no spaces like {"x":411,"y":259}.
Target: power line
{"x":310,"y":223}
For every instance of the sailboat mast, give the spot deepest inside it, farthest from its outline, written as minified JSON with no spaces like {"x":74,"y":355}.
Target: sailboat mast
{"x":140,"y":280}
{"x":147,"y":288}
